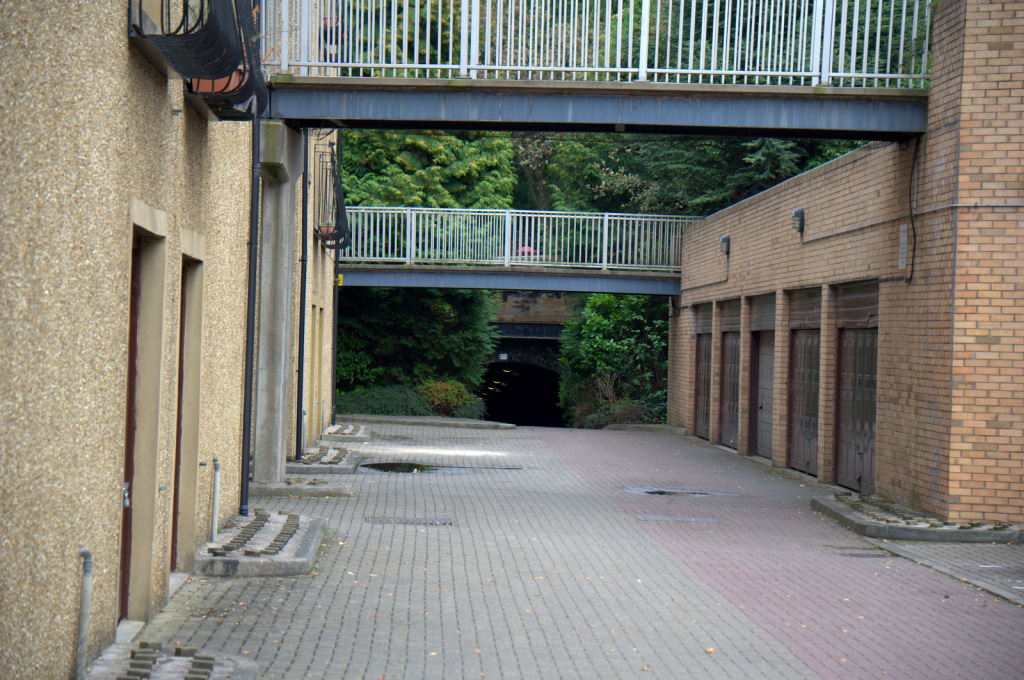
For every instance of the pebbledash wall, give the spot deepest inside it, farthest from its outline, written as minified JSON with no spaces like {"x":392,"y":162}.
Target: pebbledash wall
{"x":101,"y":160}
{"x":936,"y":226}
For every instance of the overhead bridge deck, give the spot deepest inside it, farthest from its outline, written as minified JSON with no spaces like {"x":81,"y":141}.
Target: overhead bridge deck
{"x":708,"y":109}
{"x":510,"y":278}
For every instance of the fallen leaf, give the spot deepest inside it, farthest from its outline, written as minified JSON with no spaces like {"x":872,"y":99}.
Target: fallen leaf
{"x":710,"y":650}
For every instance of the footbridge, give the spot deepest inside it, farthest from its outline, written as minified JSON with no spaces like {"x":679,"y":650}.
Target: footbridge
{"x":511,"y":250}
{"x":785,"y":68}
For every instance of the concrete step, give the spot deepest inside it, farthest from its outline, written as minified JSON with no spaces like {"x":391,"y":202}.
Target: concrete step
{"x":263,"y":544}
{"x":345,"y":432}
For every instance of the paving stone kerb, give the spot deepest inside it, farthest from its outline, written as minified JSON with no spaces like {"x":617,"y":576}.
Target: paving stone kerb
{"x":548,"y":570}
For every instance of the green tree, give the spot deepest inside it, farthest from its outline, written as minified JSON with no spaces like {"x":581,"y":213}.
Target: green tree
{"x":400,"y":168}
{"x":390,"y":336}
{"x":615,"y":359}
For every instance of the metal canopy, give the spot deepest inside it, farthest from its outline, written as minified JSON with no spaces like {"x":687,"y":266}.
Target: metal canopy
{"x":795,"y":112}
{"x":515,"y":279}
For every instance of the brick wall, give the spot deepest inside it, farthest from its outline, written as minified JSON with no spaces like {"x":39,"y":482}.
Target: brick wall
{"x":987,"y":454}
{"x":950,"y":403}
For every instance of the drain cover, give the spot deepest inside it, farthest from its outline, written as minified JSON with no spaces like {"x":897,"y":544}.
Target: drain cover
{"x":402,"y":467}
{"x":675,"y":518}
{"x":417,"y":521}
{"x":661,"y":491}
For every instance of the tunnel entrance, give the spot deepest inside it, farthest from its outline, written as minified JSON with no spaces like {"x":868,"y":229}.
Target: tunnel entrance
{"x":522,"y":394}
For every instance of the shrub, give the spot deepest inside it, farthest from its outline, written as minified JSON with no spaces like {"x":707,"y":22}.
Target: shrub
{"x":474,"y":409}
{"x":624,"y":411}
{"x":396,"y":400}
{"x":444,"y":396}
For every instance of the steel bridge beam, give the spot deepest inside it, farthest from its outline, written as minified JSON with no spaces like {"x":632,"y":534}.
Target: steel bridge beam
{"x":500,"y":278}
{"x":718,"y":110}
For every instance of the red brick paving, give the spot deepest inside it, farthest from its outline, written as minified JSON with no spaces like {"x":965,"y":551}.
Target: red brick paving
{"x":819,"y":589}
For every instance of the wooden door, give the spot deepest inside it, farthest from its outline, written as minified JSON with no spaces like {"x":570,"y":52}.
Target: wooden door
{"x":128,"y":480}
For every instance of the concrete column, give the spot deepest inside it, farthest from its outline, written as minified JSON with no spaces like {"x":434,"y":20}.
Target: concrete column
{"x":280,"y":165}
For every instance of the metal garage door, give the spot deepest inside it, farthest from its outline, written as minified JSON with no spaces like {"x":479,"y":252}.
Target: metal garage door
{"x":730,"y":399}
{"x":763,"y":356}
{"x":804,"y":367}
{"x":702,"y":372}
{"x":857,"y":375}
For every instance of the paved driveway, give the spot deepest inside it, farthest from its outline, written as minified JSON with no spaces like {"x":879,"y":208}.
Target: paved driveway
{"x":545,"y":557}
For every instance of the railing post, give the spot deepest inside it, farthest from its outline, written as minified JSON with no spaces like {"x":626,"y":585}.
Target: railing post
{"x":474,"y":40}
{"x":410,"y":236}
{"x":645,"y":31}
{"x":464,"y":40}
{"x":283,"y":43}
{"x":821,"y":40}
{"x":305,"y":48}
{"x":604,"y":242}
{"x":508,"y":238}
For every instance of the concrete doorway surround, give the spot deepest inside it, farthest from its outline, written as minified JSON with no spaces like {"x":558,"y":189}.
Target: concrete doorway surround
{"x":143,"y":400}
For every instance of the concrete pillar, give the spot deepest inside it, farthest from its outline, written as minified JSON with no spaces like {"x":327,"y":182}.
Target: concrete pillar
{"x":280,"y":166}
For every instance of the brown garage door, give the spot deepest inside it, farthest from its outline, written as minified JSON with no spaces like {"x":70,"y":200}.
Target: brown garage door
{"x":702,"y":389}
{"x":857,"y":364}
{"x":730,"y":400}
{"x":803,"y":400}
{"x":805,"y":352}
{"x":763,"y":356}
{"x":762,"y":372}
{"x":702,"y":318}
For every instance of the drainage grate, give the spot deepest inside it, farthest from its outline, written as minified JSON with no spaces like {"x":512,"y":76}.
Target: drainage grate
{"x":418,"y":521}
{"x":675,"y":518}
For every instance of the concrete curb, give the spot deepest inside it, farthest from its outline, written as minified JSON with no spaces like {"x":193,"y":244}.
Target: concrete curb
{"x":666,"y":429}
{"x":436,"y":421}
{"x":347,"y":467}
{"x":298,"y":564}
{"x":279,"y":489}
{"x":361,"y":435}
{"x":1004,"y":593}
{"x":895,"y":532}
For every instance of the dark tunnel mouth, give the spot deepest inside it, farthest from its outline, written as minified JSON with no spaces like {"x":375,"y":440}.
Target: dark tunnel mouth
{"x":522,"y":394}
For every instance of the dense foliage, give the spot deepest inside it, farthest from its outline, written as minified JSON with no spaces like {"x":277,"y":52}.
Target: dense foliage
{"x":615,"y":360}
{"x":405,"y":336}
{"x":656,"y":174}
{"x":422,"y":169}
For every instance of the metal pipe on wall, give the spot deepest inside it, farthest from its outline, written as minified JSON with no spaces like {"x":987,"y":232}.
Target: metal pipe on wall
{"x":84,"y":607}
{"x":302,"y":296}
{"x":250,"y":327}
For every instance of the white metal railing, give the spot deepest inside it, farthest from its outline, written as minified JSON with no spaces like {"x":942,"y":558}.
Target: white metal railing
{"x":861,"y":43}
{"x":515,"y":237}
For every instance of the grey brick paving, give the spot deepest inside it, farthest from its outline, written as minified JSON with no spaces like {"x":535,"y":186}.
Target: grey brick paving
{"x":547,"y":573}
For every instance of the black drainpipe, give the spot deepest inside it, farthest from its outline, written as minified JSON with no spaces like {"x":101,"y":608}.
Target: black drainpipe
{"x":302,"y":294}
{"x":335,"y":325}
{"x":250,"y":327}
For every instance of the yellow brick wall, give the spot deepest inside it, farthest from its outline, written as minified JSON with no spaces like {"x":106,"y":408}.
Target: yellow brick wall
{"x":950,"y":393}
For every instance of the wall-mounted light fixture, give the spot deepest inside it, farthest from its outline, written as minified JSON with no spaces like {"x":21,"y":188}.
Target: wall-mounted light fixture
{"x":798,"y":220}
{"x":723,"y":245}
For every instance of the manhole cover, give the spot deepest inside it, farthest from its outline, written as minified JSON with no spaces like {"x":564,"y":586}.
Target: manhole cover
{"x":661,"y":491}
